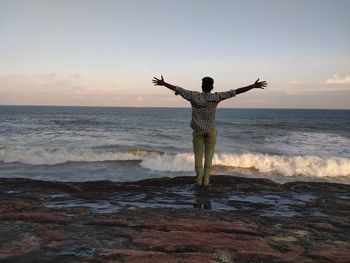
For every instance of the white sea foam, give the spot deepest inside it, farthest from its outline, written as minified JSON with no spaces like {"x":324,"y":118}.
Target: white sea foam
{"x":313,"y":166}
{"x":181,"y":162}
{"x":310,"y":166}
{"x":40,"y":155}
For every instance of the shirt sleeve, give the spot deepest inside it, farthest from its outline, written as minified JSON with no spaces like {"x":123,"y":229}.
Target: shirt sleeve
{"x":186,"y":94}
{"x":226,"y":94}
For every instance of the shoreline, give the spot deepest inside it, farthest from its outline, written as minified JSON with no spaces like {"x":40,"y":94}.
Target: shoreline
{"x":168,"y":220}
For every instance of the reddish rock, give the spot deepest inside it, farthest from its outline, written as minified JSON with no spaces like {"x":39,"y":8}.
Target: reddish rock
{"x":28,"y":244}
{"x":55,"y":245}
{"x":324,"y":227}
{"x":195,"y":257}
{"x":79,"y":210}
{"x":4,"y":253}
{"x":40,"y":217}
{"x":342,"y":203}
{"x":177,"y":240}
{"x":53,"y":235}
{"x":129,"y":252}
{"x":340,"y":222}
{"x":331,"y":253}
{"x":109,"y":222}
{"x":35,"y":195}
{"x":194,"y":225}
{"x":31,"y":231}
{"x":139,"y":256}
{"x":17,"y":204}
{"x":292,"y":252}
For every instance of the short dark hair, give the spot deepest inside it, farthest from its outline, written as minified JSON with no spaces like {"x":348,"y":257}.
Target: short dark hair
{"x":207,"y":84}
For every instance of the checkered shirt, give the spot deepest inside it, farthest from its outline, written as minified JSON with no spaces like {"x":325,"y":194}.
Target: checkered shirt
{"x":203,"y":106}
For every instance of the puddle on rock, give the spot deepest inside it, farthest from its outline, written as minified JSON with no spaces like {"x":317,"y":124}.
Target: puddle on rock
{"x":273,"y":199}
{"x":260,"y":204}
{"x":58,"y":195}
{"x":78,"y":251}
{"x":153,"y":204}
{"x":12,"y":191}
{"x":98,"y":206}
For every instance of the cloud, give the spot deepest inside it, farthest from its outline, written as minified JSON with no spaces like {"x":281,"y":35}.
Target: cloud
{"x":335,"y":79}
{"x":39,"y":81}
{"x":56,"y":89}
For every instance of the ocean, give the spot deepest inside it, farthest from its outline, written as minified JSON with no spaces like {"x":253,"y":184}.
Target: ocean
{"x":128,"y":144}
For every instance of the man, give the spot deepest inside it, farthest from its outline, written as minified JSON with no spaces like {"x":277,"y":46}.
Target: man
{"x":204,"y":105}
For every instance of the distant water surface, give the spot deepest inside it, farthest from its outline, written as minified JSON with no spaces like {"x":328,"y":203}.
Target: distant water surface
{"x":125,"y":144}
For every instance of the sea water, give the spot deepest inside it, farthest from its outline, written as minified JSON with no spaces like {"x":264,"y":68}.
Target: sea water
{"x":127,"y":144}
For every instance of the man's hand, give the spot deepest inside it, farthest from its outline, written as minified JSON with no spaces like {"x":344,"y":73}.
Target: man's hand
{"x":260,"y":85}
{"x":161,"y":82}
{"x":158,"y":82}
{"x":257,"y":85}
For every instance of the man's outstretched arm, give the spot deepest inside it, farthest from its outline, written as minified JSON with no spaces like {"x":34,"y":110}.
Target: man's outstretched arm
{"x":161,"y":82}
{"x":186,"y":94}
{"x":257,"y":85}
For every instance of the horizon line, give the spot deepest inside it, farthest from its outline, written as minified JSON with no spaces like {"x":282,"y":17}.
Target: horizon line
{"x":140,"y":107}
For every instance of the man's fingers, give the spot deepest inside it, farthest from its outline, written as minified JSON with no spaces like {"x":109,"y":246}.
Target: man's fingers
{"x":261,"y":84}
{"x":157,"y":81}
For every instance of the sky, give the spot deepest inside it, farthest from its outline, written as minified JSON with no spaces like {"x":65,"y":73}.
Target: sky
{"x":105,"y":53}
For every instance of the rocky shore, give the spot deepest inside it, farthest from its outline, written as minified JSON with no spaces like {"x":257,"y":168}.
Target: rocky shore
{"x":169,"y":220}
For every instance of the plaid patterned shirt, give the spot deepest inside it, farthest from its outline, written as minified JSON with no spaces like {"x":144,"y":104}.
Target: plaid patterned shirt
{"x":203,"y":106}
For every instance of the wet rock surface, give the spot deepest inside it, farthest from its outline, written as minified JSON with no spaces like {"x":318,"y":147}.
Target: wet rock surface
{"x":169,"y":220}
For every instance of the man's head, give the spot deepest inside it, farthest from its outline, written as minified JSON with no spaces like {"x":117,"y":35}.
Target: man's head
{"x":207,"y":84}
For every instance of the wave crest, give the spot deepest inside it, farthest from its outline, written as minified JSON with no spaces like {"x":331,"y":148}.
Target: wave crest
{"x":42,"y":156}
{"x":312,"y":166}
{"x":288,"y":165}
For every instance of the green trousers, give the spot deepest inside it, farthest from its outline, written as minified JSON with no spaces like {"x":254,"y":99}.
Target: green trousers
{"x":203,"y":142}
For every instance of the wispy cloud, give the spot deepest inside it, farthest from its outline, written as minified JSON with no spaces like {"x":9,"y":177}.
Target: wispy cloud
{"x":56,"y":89}
{"x":336,"y":79}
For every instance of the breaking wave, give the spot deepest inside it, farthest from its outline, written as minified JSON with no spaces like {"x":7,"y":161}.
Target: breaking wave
{"x":313,"y":166}
{"x":42,"y":156}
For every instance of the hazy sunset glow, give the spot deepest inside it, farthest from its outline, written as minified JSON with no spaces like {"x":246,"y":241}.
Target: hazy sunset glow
{"x":105,"y":53}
